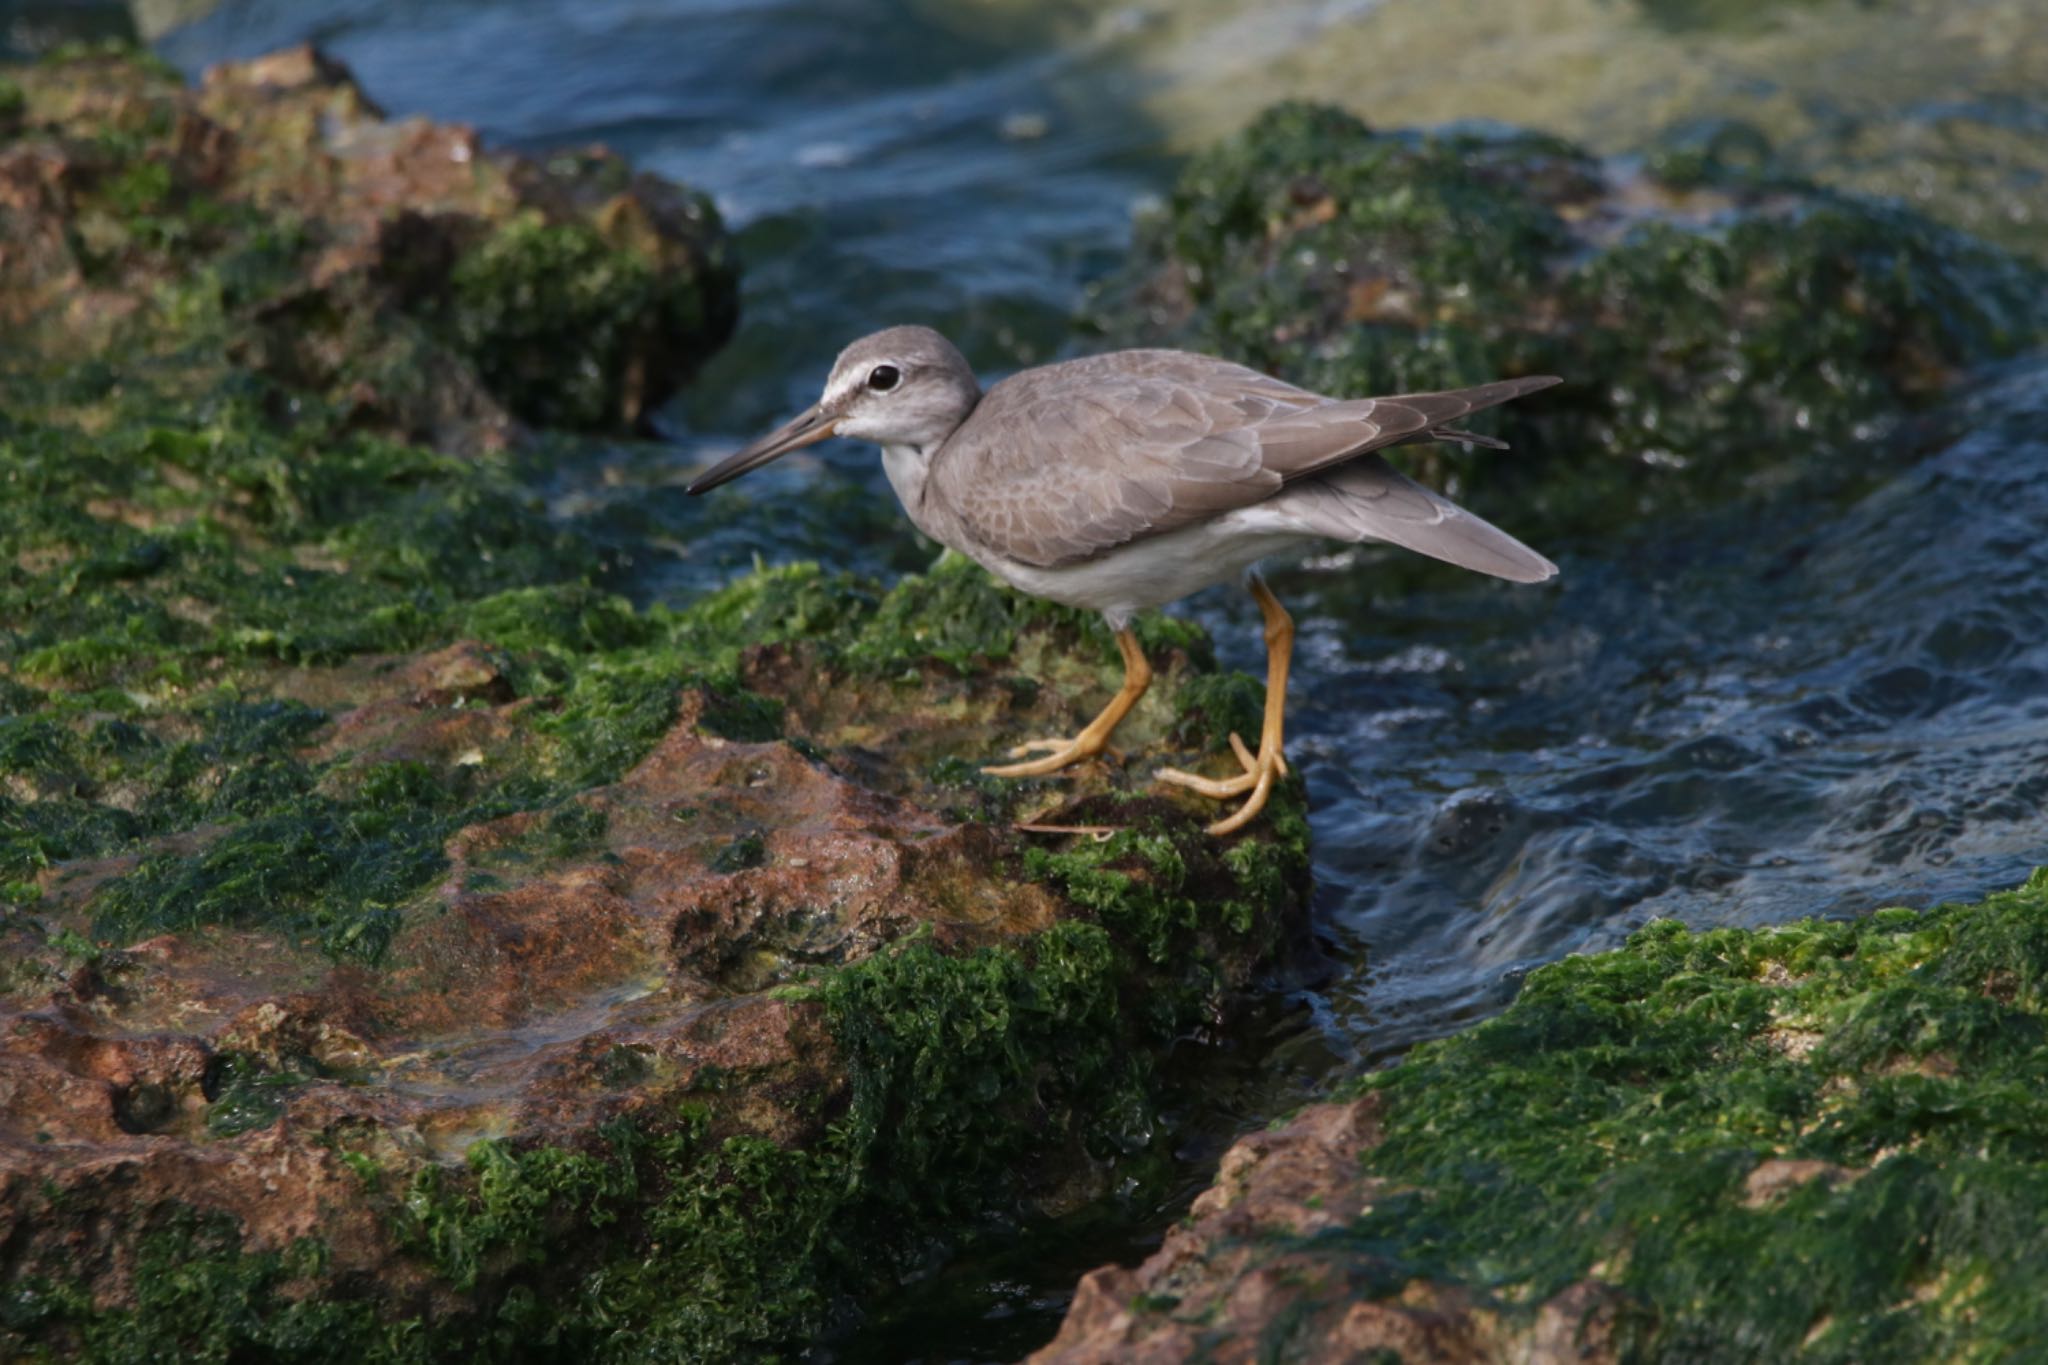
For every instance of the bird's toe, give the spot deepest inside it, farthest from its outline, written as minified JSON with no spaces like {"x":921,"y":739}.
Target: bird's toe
{"x":1255,"y":784}
{"x":1039,"y":746}
{"x":1216,"y":789}
{"x":1059,"y":753}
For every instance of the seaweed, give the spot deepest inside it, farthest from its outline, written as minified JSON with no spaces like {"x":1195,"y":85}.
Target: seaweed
{"x":1608,"y":1124}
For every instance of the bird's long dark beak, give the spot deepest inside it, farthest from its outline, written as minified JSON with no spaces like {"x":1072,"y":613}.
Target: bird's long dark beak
{"x":806,"y":428}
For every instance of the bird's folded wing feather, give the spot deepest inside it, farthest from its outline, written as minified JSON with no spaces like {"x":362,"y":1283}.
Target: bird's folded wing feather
{"x":1064,"y":463}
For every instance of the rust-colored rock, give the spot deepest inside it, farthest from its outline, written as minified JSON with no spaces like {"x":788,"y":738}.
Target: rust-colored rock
{"x":540,"y":992}
{"x":1244,"y":1279}
{"x":383,"y":263}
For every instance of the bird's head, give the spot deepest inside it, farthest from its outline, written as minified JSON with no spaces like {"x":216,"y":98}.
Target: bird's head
{"x":907,"y":386}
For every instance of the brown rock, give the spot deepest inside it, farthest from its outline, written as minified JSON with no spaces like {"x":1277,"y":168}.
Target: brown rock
{"x":1245,"y":1279}
{"x":36,"y":260}
{"x":531,"y":996}
{"x":374,"y":214}
{"x":1779,"y":1176}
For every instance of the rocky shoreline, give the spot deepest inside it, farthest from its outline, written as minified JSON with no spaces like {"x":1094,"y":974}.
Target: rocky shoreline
{"x":1817,"y":1142}
{"x":413,"y":949}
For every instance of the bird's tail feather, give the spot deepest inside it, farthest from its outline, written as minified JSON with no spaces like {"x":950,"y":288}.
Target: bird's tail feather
{"x":1470,"y":438}
{"x":1369,"y":500}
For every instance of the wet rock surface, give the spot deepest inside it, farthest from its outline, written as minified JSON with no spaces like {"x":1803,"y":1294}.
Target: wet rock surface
{"x":413,"y":948}
{"x":434,"y":288}
{"x":1814,"y":1142}
{"x":733,"y":947}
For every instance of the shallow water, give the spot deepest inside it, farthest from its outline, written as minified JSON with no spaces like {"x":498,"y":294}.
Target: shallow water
{"x":1827,"y":704}
{"x":1938,"y":102}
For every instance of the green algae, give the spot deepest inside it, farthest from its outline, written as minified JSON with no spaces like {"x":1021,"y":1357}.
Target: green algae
{"x":238,"y":763}
{"x":962,"y":1065}
{"x":1607,"y":1124}
{"x":574,"y":294}
{"x":745,"y":851}
{"x":204,"y":499}
{"x":1141,"y":880}
{"x":971,"y":1078}
{"x":563,"y":619}
{"x":1211,"y":707}
{"x":162,"y":556}
{"x":161,"y":552}
{"x":243,"y":1094}
{"x":200,"y":1297}
{"x":147,"y":545}
{"x":339,"y":871}
{"x":1792,"y":322}
{"x":197,"y":520}
{"x":671,"y":1236}
{"x":1687,"y":15}
{"x":553,"y":317}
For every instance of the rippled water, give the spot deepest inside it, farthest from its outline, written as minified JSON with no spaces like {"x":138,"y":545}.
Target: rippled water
{"x":1821,"y":708}
{"x":1826,"y":704}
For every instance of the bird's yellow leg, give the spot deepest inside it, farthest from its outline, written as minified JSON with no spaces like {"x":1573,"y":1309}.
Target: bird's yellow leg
{"x":1095,"y":738}
{"x":1267,"y":766}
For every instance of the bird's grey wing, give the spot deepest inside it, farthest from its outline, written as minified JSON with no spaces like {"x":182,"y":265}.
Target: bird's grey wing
{"x":1060,"y":465}
{"x":1072,"y":470}
{"x":1069,"y":474}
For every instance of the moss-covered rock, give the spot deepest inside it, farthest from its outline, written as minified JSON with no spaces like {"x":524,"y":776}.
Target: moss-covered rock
{"x":1819,"y":1142}
{"x":606,"y":980}
{"x":428,"y":285}
{"x":1715,"y":324}
{"x":787,"y":1034}
{"x":414,"y":950}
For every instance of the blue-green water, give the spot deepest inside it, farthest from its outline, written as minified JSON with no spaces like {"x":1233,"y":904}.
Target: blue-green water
{"x":1825,"y":706}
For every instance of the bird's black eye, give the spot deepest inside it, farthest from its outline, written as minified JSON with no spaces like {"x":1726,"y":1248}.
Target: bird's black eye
{"x":884,"y":378}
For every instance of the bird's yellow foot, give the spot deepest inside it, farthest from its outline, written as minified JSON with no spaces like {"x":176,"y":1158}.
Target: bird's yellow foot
{"x":1261,"y":771}
{"x":1065,"y":753}
{"x":1059,"y":753}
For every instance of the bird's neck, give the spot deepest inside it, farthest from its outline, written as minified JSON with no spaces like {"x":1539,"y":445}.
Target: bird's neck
{"x":908,"y":469}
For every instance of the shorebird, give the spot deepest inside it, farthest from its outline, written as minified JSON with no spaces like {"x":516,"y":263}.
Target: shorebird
{"x":1126,"y":481}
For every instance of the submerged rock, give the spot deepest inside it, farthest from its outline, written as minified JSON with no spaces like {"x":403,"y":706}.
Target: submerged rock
{"x":435,"y":288}
{"x":1718,"y":326}
{"x":1821,"y":1141}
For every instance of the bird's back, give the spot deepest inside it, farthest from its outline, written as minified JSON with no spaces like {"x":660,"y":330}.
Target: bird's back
{"x":1066,"y":461}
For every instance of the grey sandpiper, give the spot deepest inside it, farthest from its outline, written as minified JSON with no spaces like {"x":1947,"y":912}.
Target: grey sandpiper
{"x":1126,"y":481}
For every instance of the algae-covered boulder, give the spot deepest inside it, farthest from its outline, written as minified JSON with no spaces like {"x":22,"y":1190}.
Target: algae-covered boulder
{"x":615,"y":985}
{"x":413,"y":949}
{"x":1821,"y":1142}
{"x":275,"y":216}
{"x":1715,"y":324}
